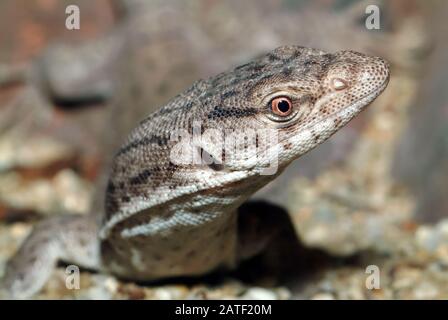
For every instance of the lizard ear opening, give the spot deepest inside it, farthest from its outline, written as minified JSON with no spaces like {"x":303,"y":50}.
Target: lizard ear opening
{"x":209,"y":160}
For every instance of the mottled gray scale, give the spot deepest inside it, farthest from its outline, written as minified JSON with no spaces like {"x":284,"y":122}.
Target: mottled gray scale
{"x":161,"y":141}
{"x":142,"y":177}
{"x":229,"y":94}
{"x":221,"y":112}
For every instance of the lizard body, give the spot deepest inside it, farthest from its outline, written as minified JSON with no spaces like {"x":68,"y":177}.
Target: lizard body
{"x":166,"y":215}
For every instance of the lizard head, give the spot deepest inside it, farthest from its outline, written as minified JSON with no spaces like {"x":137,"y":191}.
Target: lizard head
{"x":293,"y":97}
{"x":269,"y":111}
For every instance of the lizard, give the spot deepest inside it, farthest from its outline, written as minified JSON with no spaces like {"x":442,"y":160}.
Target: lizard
{"x":167,"y":216}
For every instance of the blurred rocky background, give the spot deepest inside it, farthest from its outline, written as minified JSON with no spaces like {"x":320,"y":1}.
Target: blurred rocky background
{"x":374,"y":194}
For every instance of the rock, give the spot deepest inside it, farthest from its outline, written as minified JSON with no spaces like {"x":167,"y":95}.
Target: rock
{"x":427,"y":238}
{"x":31,"y":152}
{"x":323,"y":296}
{"x":65,"y":192}
{"x":257,"y":293}
{"x":426,"y":290}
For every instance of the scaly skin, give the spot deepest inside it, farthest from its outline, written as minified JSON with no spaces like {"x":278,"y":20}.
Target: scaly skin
{"x":165,"y":218}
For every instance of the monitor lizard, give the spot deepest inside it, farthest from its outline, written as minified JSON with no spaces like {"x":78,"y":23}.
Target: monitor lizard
{"x":168,"y":216}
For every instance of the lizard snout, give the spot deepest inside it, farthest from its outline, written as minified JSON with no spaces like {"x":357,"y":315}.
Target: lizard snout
{"x":363,"y":71}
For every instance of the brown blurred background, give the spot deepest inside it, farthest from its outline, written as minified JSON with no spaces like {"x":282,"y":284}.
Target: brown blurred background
{"x":377,"y":191}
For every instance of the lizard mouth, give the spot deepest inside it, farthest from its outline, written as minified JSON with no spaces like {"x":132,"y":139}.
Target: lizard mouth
{"x":365,"y":100}
{"x":369,"y":97}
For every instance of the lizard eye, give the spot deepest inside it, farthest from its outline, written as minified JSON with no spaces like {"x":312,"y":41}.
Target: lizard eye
{"x":281,"y":106}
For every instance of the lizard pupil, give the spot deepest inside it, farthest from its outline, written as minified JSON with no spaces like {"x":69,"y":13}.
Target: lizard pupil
{"x":281,"y":106}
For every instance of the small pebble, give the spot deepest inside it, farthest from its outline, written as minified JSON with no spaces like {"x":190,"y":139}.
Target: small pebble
{"x":257,"y":293}
{"x":323,"y":296}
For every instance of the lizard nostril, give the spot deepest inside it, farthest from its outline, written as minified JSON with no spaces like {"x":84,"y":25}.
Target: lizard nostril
{"x":338,"y":84}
